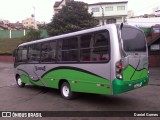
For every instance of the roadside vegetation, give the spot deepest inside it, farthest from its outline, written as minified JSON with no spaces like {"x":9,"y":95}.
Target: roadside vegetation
{"x":7,"y":46}
{"x":72,"y":17}
{"x":32,"y":35}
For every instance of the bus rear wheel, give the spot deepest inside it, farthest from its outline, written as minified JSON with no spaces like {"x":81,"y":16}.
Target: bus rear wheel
{"x":66,"y":92}
{"x":19,"y":82}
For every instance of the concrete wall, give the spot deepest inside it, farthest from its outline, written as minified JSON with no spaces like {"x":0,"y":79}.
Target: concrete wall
{"x":154,"y":60}
{"x":6,"y":58}
{"x":5,"y":34}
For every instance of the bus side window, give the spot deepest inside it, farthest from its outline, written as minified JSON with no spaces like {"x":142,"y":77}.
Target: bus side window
{"x":14,"y":53}
{"x":21,"y":54}
{"x":100,"y":51}
{"x":34,"y":53}
{"x":48,"y":52}
{"x":85,"y":45}
{"x":68,"y":50}
{"x":94,"y":47}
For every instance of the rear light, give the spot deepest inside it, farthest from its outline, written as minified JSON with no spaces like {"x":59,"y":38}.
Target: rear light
{"x":119,"y":69}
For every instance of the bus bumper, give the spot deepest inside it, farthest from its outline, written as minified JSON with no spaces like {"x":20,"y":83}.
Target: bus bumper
{"x":120,"y":86}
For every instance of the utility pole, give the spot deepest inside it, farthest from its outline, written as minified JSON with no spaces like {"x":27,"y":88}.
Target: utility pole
{"x":102,"y":15}
{"x":34,"y":17}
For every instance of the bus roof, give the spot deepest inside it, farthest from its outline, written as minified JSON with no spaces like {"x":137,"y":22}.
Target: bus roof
{"x":67,"y":35}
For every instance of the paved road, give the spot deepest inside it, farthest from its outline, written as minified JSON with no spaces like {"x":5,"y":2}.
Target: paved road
{"x":32,"y":98}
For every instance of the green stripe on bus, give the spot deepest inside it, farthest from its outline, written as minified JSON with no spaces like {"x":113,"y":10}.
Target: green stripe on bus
{"x":79,"y":81}
{"x":130,"y":73}
{"x":85,"y":82}
{"x":28,"y":80}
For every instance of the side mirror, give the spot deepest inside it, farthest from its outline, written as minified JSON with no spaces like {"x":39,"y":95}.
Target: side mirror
{"x":14,"y":53}
{"x":121,"y":26}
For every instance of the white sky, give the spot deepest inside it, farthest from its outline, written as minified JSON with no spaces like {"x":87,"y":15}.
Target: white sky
{"x":17,"y":10}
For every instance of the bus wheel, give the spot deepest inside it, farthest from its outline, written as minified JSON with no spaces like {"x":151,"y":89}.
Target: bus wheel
{"x":66,"y":91}
{"x":19,"y":82}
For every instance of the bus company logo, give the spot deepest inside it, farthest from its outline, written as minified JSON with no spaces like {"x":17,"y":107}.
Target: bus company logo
{"x":6,"y":114}
{"x":40,"y":68}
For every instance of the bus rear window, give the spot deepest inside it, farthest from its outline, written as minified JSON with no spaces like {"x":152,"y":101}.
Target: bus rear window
{"x":133,"y":39}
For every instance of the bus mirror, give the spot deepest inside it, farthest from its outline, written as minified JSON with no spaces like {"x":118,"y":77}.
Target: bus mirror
{"x":121,"y":26}
{"x":14,"y":53}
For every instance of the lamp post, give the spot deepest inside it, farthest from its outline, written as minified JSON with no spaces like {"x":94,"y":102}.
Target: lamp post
{"x":34,"y":17}
{"x":102,"y":15}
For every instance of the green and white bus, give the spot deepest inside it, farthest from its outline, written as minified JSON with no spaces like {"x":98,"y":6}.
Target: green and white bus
{"x":110,"y":59}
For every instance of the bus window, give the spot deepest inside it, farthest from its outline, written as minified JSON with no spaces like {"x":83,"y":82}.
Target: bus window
{"x":85,"y":45}
{"x":71,"y":55}
{"x":100,"y":51}
{"x":70,"y":43}
{"x":133,"y":39}
{"x":21,"y":54}
{"x":34,"y":53}
{"x":94,"y":47}
{"x":69,"y":50}
{"x":85,"y":55}
{"x":48,"y":52}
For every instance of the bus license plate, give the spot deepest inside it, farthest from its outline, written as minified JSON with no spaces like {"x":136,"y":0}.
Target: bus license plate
{"x":137,"y":85}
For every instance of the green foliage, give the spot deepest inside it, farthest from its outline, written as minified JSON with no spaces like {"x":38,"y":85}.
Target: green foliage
{"x":72,"y":17}
{"x":147,"y":31}
{"x":5,"y":53}
{"x":32,"y":35}
{"x":7,"y":46}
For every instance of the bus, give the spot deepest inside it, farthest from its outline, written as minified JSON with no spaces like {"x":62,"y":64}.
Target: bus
{"x":110,"y":59}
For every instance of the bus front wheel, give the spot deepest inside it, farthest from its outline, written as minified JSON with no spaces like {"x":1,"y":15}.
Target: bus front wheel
{"x":66,"y":91}
{"x":19,"y":82}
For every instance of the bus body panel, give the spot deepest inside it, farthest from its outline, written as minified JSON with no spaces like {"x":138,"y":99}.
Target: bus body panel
{"x":134,"y":64}
{"x":82,"y":78}
{"x":99,"y":78}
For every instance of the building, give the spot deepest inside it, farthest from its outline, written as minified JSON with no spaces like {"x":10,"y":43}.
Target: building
{"x":4,"y":24}
{"x":30,"y":23}
{"x":130,"y":14}
{"x":59,"y":4}
{"x":16,"y":26}
{"x":156,"y":11}
{"x":144,"y":20}
{"x":109,"y":12}
{"x":154,"y":46}
{"x":2,"y":27}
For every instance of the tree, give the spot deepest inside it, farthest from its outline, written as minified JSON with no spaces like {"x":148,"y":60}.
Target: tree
{"x":32,"y":35}
{"x":72,"y":17}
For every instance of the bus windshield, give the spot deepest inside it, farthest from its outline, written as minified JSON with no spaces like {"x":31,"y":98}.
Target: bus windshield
{"x":133,"y":39}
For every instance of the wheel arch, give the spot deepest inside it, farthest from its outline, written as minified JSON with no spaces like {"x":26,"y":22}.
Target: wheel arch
{"x":17,"y":75}
{"x":61,"y":82}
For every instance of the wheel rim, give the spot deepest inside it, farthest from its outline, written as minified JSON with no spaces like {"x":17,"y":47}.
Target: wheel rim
{"x":19,"y":81}
{"x":65,"y":91}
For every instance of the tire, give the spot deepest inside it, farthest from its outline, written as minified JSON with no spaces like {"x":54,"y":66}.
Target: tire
{"x":66,"y":92}
{"x":19,"y":82}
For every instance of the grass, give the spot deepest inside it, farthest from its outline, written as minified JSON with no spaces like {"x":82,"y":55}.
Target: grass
{"x":7,"y":46}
